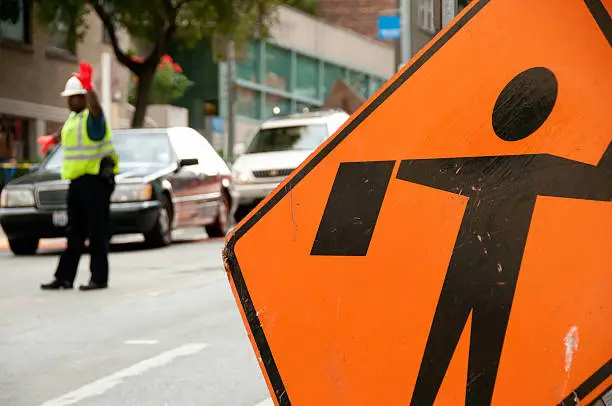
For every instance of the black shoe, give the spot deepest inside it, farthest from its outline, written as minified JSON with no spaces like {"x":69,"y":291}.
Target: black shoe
{"x":93,"y":286}
{"x":56,"y":285}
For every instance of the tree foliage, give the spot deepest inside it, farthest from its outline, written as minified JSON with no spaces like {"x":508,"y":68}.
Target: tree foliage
{"x":169,"y":83}
{"x":307,"y":6}
{"x":159,"y":23}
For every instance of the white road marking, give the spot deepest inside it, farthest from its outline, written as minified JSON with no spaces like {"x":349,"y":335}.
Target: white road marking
{"x":104,"y":384}
{"x":267,"y":402}
{"x":141,"y":342}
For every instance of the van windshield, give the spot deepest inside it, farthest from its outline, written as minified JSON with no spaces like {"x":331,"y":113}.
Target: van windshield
{"x":288,"y":139}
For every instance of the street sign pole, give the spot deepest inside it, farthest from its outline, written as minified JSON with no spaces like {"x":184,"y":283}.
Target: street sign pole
{"x":231,"y":97}
{"x":405,"y":39}
{"x":449,"y":11}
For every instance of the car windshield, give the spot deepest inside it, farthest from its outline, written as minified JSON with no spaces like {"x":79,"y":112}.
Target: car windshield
{"x":288,"y":138}
{"x":134,"y":149}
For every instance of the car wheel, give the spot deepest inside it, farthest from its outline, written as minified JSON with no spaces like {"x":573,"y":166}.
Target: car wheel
{"x":222,"y":223}
{"x":23,"y":246}
{"x":161,"y":234}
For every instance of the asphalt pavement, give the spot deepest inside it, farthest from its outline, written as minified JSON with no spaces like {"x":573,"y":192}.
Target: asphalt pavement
{"x":166,"y":332}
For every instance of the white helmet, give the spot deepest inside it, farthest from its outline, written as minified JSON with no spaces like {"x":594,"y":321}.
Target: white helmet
{"x":73,"y":87}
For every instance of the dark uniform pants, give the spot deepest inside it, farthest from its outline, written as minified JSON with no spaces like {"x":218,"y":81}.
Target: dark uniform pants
{"x":88,"y":218}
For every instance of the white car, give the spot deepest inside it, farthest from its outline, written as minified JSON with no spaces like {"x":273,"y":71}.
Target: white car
{"x":280,"y":145}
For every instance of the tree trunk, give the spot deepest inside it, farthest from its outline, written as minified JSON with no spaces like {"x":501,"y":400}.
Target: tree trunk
{"x":142,"y":96}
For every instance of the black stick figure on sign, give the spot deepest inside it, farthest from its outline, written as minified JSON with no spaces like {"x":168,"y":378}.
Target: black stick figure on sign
{"x":484,"y":266}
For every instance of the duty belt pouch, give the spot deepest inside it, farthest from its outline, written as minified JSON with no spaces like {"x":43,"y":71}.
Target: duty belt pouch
{"x":107,"y":166}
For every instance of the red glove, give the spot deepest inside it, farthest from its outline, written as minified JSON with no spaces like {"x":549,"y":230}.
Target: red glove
{"x":46,"y":141}
{"x":85,"y":74}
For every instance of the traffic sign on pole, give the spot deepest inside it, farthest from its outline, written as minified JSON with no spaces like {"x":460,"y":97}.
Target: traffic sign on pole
{"x":451,"y":243}
{"x":389,"y":27}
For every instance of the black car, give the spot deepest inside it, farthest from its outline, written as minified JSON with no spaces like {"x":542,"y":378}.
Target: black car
{"x":169,"y":178}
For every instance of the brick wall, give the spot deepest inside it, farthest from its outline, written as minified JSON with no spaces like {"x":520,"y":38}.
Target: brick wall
{"x":358,"y":15}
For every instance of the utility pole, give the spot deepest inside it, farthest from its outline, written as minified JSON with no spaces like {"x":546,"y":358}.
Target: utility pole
{"x":406,"y":27}
{"x":106,"y":90}
{"x":449,"y":11}
{"x":231,"y":98}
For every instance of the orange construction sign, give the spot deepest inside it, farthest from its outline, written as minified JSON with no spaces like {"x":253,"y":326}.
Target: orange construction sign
{"x":452,"y":243}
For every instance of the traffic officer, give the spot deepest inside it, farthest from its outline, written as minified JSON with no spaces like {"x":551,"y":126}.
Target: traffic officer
{"x":90,"y":164}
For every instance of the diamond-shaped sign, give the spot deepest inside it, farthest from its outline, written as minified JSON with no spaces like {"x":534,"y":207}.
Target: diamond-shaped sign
{"x":451,"y":244}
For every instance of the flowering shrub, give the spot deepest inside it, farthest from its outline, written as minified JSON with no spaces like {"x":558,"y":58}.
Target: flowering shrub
{"x":169,"y":83}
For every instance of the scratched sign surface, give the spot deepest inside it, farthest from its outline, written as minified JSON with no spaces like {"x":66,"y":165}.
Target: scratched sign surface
{"x":452,"y":243}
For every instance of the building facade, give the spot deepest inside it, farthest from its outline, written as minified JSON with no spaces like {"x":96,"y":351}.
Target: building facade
{"x":35,"y":66}
{"x":292,"y":70}
{"x":362,"y":17}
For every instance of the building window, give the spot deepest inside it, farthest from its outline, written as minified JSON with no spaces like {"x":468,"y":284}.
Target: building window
{"x":17,"y":29}
{"x":304,"y":107}
{"x":307,"y":77}
{"x":278,"y":68}
{"x":276,"y":106}
{"x":425,"y":16}
{"x":248,"y":102}
{"x":63,"y":36}
{"x":331,"y":75}
{"x":359,"y":82}
{"x":248,"y":69}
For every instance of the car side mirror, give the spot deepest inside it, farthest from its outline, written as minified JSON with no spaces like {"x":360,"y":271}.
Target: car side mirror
{"x":188,"y":162}
{"x":34,"y":167}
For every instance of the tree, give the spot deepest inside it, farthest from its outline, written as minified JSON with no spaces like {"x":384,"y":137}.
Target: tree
{"x":159,"y":23}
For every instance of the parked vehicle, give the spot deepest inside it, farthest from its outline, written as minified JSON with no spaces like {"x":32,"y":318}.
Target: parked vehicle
{"x":169,"y":178}
{"x":279,"y":146}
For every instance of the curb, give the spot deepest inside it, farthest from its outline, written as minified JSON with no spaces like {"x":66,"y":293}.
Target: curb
{"x":51,"y":244}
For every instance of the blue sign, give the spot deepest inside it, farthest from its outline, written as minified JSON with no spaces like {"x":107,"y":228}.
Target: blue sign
{"x":218,"y":125}
{"x":389,"y":27}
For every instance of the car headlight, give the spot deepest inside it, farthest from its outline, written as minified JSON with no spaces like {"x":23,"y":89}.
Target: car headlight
{"x":17,"y":198}
{"x":132,"y":193}
{"x":242,"y":176}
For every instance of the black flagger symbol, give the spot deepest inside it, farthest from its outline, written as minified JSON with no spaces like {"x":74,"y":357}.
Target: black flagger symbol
{"x":484,"y":267}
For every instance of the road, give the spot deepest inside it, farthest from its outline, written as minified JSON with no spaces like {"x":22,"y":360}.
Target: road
{"x":166,"y":332}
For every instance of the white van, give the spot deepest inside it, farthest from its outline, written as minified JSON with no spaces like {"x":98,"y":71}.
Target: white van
{"x":279,"y":146}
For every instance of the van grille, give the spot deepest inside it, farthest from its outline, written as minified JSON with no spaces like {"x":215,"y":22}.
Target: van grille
{"x":272,"y":173}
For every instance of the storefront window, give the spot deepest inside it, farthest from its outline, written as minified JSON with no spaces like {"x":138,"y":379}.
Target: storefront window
{"x":16,"y":29}
{"x":278,"y":68}
{"x":377,"y":83}
{"x":15,"y":142}
{"x":332,"y":74}
{"x":359,"y":81}
{"x":276,"y":106}
{"x":247,"y":103}
{"x":248,"y":69}
{"x":304,"y":107}
{"x":307,"y":77}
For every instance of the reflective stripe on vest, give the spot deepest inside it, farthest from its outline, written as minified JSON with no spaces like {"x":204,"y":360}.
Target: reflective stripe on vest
{"x":82,"y":152}
{"x":81,"y":155}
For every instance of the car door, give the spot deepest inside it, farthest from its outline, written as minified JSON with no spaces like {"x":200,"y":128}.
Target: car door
{"x":199,"y":189}
{"x":185,"y":180}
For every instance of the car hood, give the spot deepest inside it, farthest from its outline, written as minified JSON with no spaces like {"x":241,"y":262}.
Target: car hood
{"x":126,"y":174}
{"x":271,"y":160}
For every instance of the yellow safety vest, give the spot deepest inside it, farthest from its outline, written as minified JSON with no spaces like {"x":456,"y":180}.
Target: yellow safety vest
{"x":82,"y":156}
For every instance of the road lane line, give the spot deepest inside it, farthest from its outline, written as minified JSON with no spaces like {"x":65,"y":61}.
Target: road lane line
{"x":267,"y":402}
{"x":104,"y":384}
{"x":141,"y":342}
